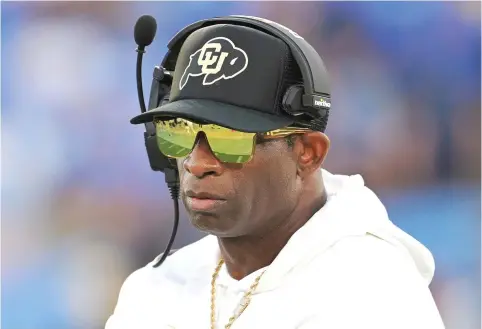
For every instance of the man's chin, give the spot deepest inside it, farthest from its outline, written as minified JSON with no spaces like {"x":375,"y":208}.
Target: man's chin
{"x":210,"y":223}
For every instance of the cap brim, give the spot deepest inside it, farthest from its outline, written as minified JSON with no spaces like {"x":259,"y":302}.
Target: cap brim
{"x":226,"y":115}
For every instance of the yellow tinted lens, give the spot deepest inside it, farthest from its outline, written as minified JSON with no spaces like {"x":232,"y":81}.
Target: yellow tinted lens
{"x":229,"y":145}
{"x":176,"y":138}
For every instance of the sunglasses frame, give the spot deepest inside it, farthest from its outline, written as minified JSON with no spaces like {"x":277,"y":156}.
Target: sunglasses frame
{"x":272,"y":134}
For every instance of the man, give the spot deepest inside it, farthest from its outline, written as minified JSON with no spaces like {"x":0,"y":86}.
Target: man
{"x":289,"y":244}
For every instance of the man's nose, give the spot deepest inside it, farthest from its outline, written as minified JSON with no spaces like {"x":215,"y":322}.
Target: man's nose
{"x":202,"y":162}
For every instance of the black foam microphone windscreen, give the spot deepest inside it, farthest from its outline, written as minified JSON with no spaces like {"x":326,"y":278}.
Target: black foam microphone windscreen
{"x":145,"y":30}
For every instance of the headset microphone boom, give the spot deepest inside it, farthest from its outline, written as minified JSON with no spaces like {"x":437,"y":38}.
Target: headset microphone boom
{"x":144,"y":33}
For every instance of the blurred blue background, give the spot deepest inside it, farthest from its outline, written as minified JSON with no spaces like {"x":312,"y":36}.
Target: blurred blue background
{"x":81,"y":208}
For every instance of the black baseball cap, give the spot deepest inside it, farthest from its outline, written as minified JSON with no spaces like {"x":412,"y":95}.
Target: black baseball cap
{"x":233,"y":76}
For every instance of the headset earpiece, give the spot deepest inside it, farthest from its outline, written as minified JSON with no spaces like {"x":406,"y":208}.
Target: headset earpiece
{"x":292,"y":100}
{"x":294,"y":103}
{"x":160,"y":88}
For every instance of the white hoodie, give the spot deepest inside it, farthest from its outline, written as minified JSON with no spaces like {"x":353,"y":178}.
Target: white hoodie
{"x":348,"y":267}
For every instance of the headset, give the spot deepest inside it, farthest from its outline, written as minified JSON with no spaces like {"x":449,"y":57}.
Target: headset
{"x":310,"y":100}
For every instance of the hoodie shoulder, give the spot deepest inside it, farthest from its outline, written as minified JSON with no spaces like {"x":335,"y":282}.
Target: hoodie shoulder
{"x":379,"y":285}
{"x":152,"y":286}
{"x":373,"y":254}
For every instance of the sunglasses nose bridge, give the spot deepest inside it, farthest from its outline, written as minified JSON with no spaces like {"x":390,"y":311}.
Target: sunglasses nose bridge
{"x":202,"y":140}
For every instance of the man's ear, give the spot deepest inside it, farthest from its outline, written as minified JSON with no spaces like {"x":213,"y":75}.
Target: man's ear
{"x":311,"y":149}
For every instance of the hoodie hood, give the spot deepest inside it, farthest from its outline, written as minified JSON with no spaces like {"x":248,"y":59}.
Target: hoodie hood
{"x":352,"y":209}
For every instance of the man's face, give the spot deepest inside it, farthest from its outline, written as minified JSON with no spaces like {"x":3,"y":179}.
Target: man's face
{"x":231,"y":200}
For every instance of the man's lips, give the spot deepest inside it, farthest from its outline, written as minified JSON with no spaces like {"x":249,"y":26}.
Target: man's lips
{"x":203,"y":195}
{"x":203,"y":201}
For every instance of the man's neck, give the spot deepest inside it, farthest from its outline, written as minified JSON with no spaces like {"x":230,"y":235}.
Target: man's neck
{"x":245,"y":255}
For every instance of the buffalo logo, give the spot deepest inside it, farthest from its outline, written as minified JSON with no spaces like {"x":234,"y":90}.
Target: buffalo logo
{"x":218,"y":59}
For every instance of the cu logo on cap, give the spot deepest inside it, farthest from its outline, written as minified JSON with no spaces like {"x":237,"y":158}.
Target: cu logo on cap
{"x":217,"y":59}
{"x":207,"y":59}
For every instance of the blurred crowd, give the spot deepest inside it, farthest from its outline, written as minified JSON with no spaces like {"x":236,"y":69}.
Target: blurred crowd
{"x":81,"y":208}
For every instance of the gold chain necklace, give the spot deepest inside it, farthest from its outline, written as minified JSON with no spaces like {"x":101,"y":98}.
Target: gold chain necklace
{"x":244,"y":301}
